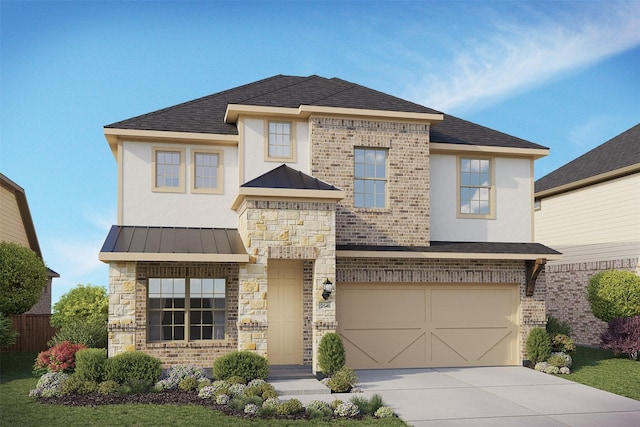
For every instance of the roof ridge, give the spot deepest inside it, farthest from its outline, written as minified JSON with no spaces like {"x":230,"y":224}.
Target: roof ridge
{"x":304,"y":79}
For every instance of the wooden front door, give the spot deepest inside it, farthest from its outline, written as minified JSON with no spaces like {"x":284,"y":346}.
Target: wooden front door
{"x":284,"y":312}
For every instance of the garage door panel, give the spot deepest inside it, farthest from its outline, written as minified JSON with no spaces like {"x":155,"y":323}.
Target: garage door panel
{"x":427,"y":325}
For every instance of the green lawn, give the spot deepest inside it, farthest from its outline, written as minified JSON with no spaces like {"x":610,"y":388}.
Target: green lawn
{"x":18,"y":409}
{"x":602,"y":369}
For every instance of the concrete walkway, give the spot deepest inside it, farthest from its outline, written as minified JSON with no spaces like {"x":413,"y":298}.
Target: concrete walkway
{"x":488,"y":396}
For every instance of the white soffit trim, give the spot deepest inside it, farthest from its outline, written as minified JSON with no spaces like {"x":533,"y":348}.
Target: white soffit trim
{"x":142,"y":256}
{"x":443,"y":148}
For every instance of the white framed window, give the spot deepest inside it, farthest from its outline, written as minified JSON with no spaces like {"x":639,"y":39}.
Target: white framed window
{"x":475,"y":188}
{"x":370,"y":178}
{"x":186,"y":309}
{"x":207,"y":171}
{"x":168,"y":169}
{"x":280,"y":141}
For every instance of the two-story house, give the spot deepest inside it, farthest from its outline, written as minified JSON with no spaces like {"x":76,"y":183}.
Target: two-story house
{"x":262,"y":217}
{"x":589,"y":209}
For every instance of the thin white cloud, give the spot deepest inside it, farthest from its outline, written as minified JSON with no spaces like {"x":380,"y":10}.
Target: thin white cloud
{"x":521,"y":55}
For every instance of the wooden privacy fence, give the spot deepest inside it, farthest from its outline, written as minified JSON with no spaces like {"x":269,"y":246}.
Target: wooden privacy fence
{"x":34,"y":329}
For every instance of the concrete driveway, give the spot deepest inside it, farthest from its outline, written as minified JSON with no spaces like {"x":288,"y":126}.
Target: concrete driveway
{"x":496,"y":396}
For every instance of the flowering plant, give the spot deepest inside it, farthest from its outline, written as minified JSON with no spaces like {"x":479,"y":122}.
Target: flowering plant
{"x":59,"y":358}
{"x":347,"y":409}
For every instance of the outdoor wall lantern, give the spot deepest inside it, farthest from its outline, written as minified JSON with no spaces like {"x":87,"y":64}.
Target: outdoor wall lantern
{"x":327,"y":288}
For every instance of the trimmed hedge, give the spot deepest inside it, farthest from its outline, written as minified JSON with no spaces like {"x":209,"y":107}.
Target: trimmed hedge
{"x":133,"y":368}
{"x":243,"y":364}
{"x":90,"y":363}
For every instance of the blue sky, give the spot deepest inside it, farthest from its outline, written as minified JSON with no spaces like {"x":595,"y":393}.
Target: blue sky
{"x":564,"y":74}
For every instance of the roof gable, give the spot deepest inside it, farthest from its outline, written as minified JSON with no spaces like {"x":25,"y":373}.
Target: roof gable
{"x":618,"y":153}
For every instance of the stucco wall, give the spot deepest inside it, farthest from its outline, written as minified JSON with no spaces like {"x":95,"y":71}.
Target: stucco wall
{"x":513,"y":200}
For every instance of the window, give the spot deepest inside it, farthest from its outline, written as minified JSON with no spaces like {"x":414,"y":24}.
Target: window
{"x":370,"y":184}
{"x":168,"y":170}
{"x":186,"y":309}
{"x":280,"y":141}
{"x":475,"y":178}
{"x":207,"y":172}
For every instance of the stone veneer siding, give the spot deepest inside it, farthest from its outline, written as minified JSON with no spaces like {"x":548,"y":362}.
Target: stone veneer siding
{"x":532,"y":309}
{"x":286,"y":230}
{"x":567,"y":295}
{"x":405,"y":221}
{"x":128,"y":311}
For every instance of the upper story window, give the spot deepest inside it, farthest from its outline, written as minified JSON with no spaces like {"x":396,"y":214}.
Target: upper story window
{"x":476,"y":192}
{"x":370,"y":178}
{"x":207,"y":171}
{"x":168,"y":170}
{"x":280,"y":141}
{"x":186,"y":309}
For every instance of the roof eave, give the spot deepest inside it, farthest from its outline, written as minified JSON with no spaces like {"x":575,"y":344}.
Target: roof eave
{"x":107,"y":257}
{"x":535,"y":153}
{"x":444,"y":255}
{"x":581,"y":183}
{"x":286,"y":193}
{"x":305,"y":111}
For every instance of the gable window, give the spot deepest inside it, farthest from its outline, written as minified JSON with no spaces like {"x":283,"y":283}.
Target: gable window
{"x":370,"y":178}
{"x":168,"y":170}
{"x":475,"y":197}
{"x":186,"y":309}
{"x":280,"y":141}
{"x":207,"y":172}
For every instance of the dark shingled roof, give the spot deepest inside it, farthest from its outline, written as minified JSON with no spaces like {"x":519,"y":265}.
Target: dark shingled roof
{"x":286,"y":177}
{"x":206,"y":115}
{"x":460,"y":247}
{"x":617,"y":153}
{"x":173,"y":240}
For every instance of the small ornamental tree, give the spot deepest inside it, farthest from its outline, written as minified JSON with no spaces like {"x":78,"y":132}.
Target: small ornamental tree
{"x":81,"y":303}
{"x":538,"y":345}
{"x":623,"y":336}
{"x":23,"y":275}
{"x":331,"y":355}
{"x":614,"y":293}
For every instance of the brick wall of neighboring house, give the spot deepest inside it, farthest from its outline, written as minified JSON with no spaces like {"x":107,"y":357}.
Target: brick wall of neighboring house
{"x":286,"y":230}
{"x":406,"y":219}
{"x":566,"y":295}
{"x":128,"y":311}
{"x":532,"y":309}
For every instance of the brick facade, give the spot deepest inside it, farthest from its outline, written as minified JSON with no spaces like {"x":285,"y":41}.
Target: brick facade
{"x":566,"y":295}
{"x":405,"y":221}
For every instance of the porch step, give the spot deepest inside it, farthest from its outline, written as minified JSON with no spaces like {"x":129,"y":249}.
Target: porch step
{"x":304,"y":386}
{"x":289,"y":372}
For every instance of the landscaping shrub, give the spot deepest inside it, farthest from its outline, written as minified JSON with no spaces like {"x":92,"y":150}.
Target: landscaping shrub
{"x":90,"y":363}
{"x":560,"y":360}
{"x":108,"y":387}
{"x":343,"y":380}
{"x":59,"y":358}
{"x":614,"y":294}
{"x":562,"y":343}
{"x":135,"y":370}
{"x":49,"y":384}
{"x":384,"y":412}
{"x":7,"y":336}
{"x":243,"y":364}
{"x":368,"y":406}
{"x":623,"y":336}
{"x":188,"y":384}
{"x":347,"y":409}
{"x":23,"y":275}
{"x":318,"y":409}
{"x":179,"y":372}
{"x":76,"y":384}
{"x":290,"y":407}
{"x":91,"y":332}
{"x":538,"y":345}
{"x":556,"y":326}
{"x":331,"y":355}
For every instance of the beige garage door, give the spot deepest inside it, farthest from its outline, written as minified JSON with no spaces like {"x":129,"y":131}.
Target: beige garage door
{"x":424,"y":325}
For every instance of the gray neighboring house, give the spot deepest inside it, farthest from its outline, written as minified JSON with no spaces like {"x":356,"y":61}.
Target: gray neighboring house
{"x":589,"y":209}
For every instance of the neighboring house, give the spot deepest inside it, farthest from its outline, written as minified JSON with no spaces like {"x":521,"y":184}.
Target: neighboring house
{"x":16,"y":226}
{"x":589,"y":209}
{"x":262,"y":217}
